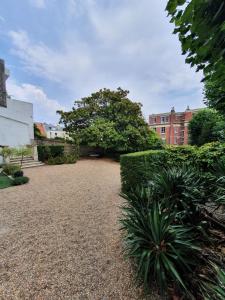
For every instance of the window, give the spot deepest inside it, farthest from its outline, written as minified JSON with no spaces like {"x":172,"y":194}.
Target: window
{"x":154,"y":128}
{"x":164,"y":119}
{"x":175,"y":130}
{"x":55,"y":133}
{"x":163,"y":129}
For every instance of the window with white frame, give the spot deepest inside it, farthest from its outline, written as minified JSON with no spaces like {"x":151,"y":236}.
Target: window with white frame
{"x":163,"y":130}
{"x":164,"y":119}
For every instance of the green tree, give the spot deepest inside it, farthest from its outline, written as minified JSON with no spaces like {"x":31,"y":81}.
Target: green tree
{"x":109,"y":119}
{"x":214,"y":96}
{"x":206,"y":126}
{"x":201,"y":28}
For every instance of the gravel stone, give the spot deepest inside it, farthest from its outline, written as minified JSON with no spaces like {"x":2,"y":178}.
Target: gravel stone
{"x":59,"y":235}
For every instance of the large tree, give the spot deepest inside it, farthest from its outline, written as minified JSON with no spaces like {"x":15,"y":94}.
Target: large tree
{"x":201,"y":28}
{"x":110,"y":120}
{"x":206,"y":126}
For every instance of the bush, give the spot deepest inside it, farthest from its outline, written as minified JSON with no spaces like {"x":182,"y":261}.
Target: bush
{"x":46,"y":152}
{"x":20,"y":180}
{"x":56,"y":160}
{"x":18,"y":174}
{"x":137,"y":168}
{"x":70,"y":159}
{"x":10,"y":169}
{"x":172,"y":236}
{"x":156,"y":244}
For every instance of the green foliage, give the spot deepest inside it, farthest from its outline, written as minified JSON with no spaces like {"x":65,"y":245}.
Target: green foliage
{"x":214,"y":95}
{"x":10,"y":169}
{"x":214,"y":288}
{"x":170,"y":233}
{"x":65,"y":159}
{"x":47,"y":152}
{"x":201,"y":28}
{"x":70,"y":159}
{"x":206,"y":126}
{"x":162,"y":251}
{"x":5,"y":181}
{"x":6,"y":152}
{"x":20,"y":180}
{"x":54,"y":155}
{"x":138,"y":168}
{"x":18,"y":174}
{"x":108,"y":119}
{"x":58,"y":160}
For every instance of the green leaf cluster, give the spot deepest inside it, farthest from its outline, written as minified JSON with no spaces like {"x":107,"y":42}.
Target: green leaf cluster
{"x":110,"y":120}
{"x":200,"y":25}
{"x":206,"y":126}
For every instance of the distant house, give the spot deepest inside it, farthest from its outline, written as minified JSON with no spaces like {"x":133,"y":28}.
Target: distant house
{"x":55,"y":131}
{"x":16,"y":117}
{"x":172,"y":126}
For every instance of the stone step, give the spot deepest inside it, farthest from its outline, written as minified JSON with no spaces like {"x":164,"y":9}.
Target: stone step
{"x":18,"y":159}
{"x":33,"y":165}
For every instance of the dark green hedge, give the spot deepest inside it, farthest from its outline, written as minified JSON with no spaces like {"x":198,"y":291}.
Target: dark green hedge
{"x":46,"y":152}
{"x":136,"y":168}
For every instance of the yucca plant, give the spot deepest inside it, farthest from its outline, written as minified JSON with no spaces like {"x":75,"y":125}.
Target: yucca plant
{"x":212,"y":284}
{"x":163,"y":252}
{"x":180,"y":189}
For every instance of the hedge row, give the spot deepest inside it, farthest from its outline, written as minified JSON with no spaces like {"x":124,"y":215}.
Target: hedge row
{"x":136,"y":168}
{"x":45,"y":152}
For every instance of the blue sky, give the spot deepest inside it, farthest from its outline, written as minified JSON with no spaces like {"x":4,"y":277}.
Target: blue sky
{"x":58,"y":51}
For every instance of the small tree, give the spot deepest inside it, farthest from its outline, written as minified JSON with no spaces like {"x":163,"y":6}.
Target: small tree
{"x":6,"y":152}
{"x":23,"y":151}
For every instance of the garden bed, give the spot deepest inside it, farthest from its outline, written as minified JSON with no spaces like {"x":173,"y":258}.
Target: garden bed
{"x":5,"y":181}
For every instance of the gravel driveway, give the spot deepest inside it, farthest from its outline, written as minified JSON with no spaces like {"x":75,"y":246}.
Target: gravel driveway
{"x":59,"y":235}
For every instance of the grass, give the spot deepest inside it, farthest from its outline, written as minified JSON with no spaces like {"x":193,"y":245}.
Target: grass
{"x":5,"y":181}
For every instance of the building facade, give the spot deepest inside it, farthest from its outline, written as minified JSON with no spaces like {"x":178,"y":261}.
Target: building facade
{"x":16,"y":117}
{"x":172,"y":126}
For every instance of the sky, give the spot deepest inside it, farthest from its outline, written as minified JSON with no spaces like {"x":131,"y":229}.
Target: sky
{"x":59,"y":51}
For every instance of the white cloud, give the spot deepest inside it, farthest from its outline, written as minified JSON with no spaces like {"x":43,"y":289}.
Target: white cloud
{"x":38,"y":3}
{"x":44,"y":107}
{"x":124,"y":43}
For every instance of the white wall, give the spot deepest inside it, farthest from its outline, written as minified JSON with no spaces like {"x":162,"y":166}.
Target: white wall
{"x":51,"y":134}
{"x":16,"y":123}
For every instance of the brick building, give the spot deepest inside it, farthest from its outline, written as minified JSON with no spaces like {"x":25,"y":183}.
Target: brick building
{"x":172,"y":127}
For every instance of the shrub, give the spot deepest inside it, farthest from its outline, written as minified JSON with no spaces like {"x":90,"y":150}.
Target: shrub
{"x":10,"y":169}
{"x":46,"y":152}
{"x":137,"y":168}
{"x":165,"y":221}
{"x":163,"y":252}
{"x":20,"y":180}
{"x":70,"y":159}
{"x":56,"y":160}
{"x":18,"y":174}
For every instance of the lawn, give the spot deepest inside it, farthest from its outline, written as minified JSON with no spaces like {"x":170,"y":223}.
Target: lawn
{"x":5,"y":181}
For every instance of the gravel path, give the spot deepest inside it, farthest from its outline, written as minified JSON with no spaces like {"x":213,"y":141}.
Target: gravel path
{"x":59,"y":235}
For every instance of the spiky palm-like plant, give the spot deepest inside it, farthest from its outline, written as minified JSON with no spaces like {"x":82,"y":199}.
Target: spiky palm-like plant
{"x":163,"y":252}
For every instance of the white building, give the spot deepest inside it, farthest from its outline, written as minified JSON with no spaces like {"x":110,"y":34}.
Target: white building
{"x":16,"y":117}
{"x":53,"y":131}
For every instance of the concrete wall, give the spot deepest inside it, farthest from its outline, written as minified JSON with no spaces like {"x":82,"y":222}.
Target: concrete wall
{"x":16,"y":123}
{"x":56,"y":133}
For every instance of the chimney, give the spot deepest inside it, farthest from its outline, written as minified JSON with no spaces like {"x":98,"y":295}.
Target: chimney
{"x":3,"y":77}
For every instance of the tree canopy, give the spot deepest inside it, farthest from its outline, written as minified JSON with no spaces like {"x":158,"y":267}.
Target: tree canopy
{"x":110,"y":120}
{"x":206,"y":126}
{"x":201,"y":28}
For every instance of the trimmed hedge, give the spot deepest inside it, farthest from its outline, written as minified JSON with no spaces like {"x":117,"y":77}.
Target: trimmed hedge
{"x":47,"y":152}
{"x":136,"y":168}
{"x":20,"y":180}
